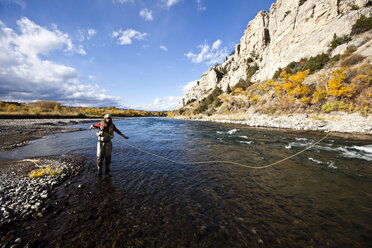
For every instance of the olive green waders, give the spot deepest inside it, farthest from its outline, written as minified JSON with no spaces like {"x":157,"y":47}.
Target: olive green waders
{"x":104,"y":149}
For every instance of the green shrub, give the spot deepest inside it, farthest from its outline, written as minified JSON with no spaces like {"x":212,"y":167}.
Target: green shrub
{"x":316,"y":63}
{"x":369,"y":3}
{"x":242,"y":84}
{"x":335,"y":106}
{"x":224,"y":70}
{"x":352,"y":60}
{"x":228,"y":90}
{"x":349,"y":50}
{"x":313,"y":64}
{"x":249,"y":60}
{"x":301,"y":2}
{"x":339,"y":41}
{"x":211,"y":99}
{"x":362,"y":25}
{"x":335,"y":58}
{"x":251,"y":71}
{"x":219,"y":74}
{"x":190,"y":101}
{"x":354,"y":7}
{"x":201,"y":108}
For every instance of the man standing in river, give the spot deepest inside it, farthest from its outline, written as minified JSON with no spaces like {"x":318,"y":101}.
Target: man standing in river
{"x":104,"y":145}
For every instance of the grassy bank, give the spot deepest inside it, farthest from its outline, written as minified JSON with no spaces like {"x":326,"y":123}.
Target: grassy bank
{"x":52,"y":109}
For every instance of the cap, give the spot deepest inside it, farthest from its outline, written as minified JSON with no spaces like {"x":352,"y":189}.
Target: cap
{"x":107,"y":116}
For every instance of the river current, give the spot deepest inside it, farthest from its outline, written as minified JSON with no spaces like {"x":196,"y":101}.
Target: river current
{"x":320,"y":198}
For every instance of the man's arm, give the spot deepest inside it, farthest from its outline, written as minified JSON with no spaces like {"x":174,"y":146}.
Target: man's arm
{"x":122,"y":135}
{"x":98,"y":125}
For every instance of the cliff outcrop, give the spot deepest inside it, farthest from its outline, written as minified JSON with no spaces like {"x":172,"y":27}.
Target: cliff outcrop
{"x":290,"y":31}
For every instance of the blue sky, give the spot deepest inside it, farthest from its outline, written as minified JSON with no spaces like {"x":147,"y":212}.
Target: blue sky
{"x":126,"y":53}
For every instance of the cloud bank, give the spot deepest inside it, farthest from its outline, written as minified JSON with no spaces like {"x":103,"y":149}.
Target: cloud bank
{"x":160,"y":104}
{"x":25,"y":76}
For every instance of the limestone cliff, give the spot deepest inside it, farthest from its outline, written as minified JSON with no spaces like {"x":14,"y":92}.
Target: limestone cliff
{"x":291,"y":30}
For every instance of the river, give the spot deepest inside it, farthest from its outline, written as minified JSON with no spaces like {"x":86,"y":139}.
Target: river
{"x":321,"y":197}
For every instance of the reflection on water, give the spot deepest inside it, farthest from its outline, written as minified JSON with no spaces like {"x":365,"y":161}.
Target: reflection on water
{"x":320,"y":198}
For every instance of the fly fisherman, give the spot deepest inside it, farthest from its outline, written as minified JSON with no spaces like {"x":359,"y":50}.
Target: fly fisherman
{"x":104,"y":145}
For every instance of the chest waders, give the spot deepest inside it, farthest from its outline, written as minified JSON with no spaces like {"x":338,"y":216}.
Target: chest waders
{"x":104,"y":147}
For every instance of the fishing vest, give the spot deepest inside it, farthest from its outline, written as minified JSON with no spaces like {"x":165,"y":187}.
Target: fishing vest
{"x":102,"y":135}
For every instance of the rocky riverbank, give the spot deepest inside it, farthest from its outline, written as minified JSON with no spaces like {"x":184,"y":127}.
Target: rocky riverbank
{"x":334,"y":122}
{"x":17,"y":132}
{"x":28,"y":187}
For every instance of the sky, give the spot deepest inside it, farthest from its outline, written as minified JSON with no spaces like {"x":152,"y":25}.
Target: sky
{"x":137,"y":54}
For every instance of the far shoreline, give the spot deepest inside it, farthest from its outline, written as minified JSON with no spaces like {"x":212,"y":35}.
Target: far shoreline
{"x":23,"y":116}
{"x":343,"y":125}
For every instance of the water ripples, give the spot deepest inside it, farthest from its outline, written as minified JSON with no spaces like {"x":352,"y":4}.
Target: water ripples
{"x":320,"y":198}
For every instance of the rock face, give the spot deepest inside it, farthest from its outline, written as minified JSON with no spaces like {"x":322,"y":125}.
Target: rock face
{"x":287,"y":33}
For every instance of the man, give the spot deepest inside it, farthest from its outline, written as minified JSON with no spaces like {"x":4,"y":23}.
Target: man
{"x":104,"y":145}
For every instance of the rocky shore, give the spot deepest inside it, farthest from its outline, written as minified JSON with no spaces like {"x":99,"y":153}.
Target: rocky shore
{"x":23,"y":198}
{"x":334,"y":122}
{"x":17,"y":132}
{"x":28,"y":187}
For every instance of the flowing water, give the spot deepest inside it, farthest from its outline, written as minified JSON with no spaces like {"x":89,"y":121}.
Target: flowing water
{"x":320,"y":198}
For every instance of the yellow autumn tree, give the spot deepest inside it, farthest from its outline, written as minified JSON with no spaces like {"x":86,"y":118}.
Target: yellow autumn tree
{"x":337,"y":85}
{"x":293,"y":85}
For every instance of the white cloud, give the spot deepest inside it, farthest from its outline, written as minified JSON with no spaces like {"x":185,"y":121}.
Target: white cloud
{"x":125,"y":37}
{"x":21,"y":3}
{"x":38,"y":40}
{"x":164,"y":48}
{"x":24,"y":76}
{"x":80,"y":50}
{"x":209,"y":55}
{"x":169,"y":3}
{"x":80,"y":36}
{"x":160,"y":104}
{"x":200,"y":6}
{"x":91,"y":33}
{"x":123,"y":1}
{"x":91,"y":77}
{"x":146,"y":14}
{"x":216,"y":45}
{"x":188,"y":86}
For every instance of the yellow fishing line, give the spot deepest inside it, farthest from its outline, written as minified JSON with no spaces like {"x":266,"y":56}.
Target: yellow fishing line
{"x":227,"y":162}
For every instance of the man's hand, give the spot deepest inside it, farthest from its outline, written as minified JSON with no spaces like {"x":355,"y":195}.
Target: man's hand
{"x":125,"y":137}
{"x":91,"y":127}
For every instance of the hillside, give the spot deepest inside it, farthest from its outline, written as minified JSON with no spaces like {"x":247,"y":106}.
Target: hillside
{"x":301,"y":57}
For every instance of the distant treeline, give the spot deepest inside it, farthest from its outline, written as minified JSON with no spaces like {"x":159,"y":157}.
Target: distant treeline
{"x":53,"y":108}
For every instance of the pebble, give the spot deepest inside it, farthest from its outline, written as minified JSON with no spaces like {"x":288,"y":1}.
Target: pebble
{"x":44,"y":196}
{"x":18,"y":241}
{"x":203,"y":230}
